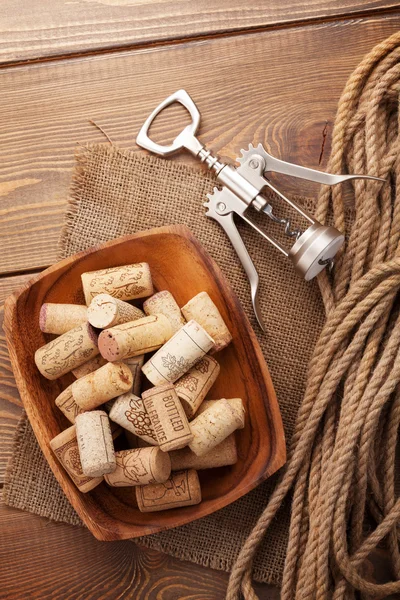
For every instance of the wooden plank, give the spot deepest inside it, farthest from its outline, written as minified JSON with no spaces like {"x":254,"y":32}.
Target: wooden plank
{"x":43,"y":559}
{"x":10,"y":403}
{"x":278,"y":87}
{"x":89,"y":25}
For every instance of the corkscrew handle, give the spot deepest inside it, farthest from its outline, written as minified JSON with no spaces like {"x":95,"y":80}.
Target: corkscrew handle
{"x":186,"y":139}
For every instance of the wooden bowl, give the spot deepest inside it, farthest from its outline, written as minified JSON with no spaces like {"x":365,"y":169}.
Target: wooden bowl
{"x":180,"y":264}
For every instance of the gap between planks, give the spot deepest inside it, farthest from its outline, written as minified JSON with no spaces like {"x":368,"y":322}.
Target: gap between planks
{"x":45,"y":110}
{"x":23,"y":272}
{"x":212,"y":35}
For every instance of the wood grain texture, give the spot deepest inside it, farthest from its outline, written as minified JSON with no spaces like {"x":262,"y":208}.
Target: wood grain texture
{"x":278,"y":87}
{"x":178,"y":263}
{"x":10,"y":403}
{"x":44,"y":560}
{"x":32,"y":30}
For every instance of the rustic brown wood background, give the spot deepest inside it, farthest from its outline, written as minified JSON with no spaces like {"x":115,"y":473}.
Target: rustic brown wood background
{"x":260,"y":71}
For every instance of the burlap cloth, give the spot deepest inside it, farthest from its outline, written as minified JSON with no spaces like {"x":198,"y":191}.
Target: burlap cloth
{"x":116,"y":192}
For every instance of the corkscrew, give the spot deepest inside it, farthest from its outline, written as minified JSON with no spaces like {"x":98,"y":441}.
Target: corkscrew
{"x":313,"y":249}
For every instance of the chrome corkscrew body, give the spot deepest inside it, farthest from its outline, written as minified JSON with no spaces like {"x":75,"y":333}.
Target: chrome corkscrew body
{"x":240,"y":194}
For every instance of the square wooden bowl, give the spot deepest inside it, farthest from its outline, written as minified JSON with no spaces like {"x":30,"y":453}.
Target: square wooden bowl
{"x":180,"y":264}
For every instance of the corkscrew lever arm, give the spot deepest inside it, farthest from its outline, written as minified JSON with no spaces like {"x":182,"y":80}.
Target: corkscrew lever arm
{"x":228,"y":224}
{"x":221,"y":206}
{"x":277,"y":165}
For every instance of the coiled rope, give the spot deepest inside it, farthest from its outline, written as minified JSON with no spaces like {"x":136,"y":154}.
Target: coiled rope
{"x":341,"y":464}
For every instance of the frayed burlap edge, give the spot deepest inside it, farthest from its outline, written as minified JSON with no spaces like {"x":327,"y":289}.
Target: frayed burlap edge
{"x":18,"y":436}
{"x":64,"y":512}
{"x":74,"y":198}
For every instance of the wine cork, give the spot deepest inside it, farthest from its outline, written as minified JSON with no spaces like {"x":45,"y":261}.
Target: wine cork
{"x":139,"y":466}
{"x":134,"y":338}
{"x":95,"y":443}
{"x":203,"y":310}
{"x":128,"y":411}
{"x":178,"y":355}
{"x":108,"y":382}
{"x":193,"y":387}
{"x":135,"y":365}
{"x":66,"y":403}
{"x":222,"y":455}
{"x":67,"y":352}
{"x":65,"y":448}
{"x":181,"y":489}
{"x":126,"y":282}
{"x":236,"y":404}
{"x":60,"y":318}
{"x":88,"y":367}
{"x":106,"y":311}
{"x":167,"y":417}
{"x":163,"y":303}
{"x":212,"y":426}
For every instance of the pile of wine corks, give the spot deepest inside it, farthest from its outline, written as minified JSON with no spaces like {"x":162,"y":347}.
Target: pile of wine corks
{"x":170,"y":429}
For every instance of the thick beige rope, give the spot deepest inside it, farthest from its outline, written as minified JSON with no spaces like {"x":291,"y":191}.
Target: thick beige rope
{"x":341,"y":463}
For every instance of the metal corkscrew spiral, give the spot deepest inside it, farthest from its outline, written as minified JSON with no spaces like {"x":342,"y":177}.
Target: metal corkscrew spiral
{"x":292,"y":233}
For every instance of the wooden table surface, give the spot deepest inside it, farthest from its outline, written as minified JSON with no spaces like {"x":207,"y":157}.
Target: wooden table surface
{"x":269,"y":72}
